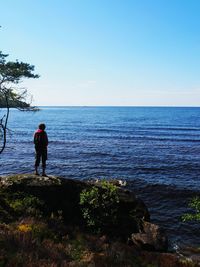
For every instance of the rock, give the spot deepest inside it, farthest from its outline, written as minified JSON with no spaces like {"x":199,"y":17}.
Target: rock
{"x":167,"y":260}
{"x":57,"y":193}
{"x":191,"y":252}
{"x":62,"y":194}
{"x":152,"y":238}
{"x":118,"y":182}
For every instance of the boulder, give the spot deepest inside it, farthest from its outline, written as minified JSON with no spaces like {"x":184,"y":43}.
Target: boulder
{"x":58,"y":194}
{"x":62,"y":194}
{"x":152,"y":237}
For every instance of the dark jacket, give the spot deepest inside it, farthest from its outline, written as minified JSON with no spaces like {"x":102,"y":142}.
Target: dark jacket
{"x":40,"y":139}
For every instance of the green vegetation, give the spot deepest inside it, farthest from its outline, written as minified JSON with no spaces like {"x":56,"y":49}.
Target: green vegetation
{"x":28,"y":204}
{"x":11,"y":95}
{"x":194,"y":215}
{"x":99,"y":205}
{"x":33,"y":233}
{"x":14,"y":205}
{"x":12,"y":103}
{"x":31,"y":237}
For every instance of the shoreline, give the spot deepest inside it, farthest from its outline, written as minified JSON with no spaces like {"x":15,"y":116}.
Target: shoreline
{"x":46,"y":188}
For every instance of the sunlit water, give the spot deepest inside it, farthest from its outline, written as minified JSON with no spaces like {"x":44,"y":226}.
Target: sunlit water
{"x":155,"y":149}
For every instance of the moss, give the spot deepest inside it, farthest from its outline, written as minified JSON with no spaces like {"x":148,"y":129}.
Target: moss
{"x":29,"y":180}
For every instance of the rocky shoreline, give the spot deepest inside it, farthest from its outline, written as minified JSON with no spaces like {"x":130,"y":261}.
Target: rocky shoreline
{"x":62,"y":196}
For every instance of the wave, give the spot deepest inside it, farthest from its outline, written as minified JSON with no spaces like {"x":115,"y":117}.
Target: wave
{"x":189,"y":129}
{"x":95,"y":154}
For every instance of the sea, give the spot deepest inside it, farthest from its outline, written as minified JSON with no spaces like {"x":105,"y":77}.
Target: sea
{"x":156,"y":150}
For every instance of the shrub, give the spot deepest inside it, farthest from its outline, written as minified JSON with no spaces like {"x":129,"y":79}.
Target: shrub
{"x":26,"y":204}
{"x":195,"y":215}
{"x":99,"y":205}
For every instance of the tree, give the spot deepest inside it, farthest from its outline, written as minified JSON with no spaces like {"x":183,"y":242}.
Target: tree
{"x":11,"y":95}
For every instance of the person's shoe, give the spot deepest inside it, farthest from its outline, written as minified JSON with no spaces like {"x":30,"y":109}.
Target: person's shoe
{"x":36,"y":171}
{"x":43,"y":172}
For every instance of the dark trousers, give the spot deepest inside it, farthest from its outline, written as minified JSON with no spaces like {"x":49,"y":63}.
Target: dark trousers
{"x":40,"y":153}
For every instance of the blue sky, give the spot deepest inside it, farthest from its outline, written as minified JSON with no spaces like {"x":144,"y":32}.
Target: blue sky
{"x":106,"y":52}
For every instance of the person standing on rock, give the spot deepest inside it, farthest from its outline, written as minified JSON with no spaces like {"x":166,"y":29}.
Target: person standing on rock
{"x":41,"y":143}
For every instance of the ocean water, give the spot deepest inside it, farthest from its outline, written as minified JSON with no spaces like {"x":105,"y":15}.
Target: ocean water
{"x":155,"y":149}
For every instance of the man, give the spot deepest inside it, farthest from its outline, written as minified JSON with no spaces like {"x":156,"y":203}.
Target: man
{"x":41,"y":143}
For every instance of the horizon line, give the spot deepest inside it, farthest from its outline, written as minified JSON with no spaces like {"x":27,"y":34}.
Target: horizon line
{"x":142,"y":106}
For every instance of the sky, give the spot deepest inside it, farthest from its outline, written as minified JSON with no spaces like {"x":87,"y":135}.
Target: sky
{"x":106,"y":52}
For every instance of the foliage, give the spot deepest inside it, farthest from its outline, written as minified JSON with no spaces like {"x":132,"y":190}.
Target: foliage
{"x":77,"y":247}
{"x":29,"y":205}
{"x":29,"y":240}
{"x":194,"y":204}
{"x":16,"y":204}
{"x":26,"y":246}
{"x":11,"y":95}
{"x":99,"y":205}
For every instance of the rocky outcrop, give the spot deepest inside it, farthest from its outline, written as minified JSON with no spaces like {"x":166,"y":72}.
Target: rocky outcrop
{"x":58,"y":194}
{"x":152,"y":237}
{"x":61,"y":194}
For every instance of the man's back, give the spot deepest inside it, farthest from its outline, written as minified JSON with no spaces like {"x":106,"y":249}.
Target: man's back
{"x":40,"y":139}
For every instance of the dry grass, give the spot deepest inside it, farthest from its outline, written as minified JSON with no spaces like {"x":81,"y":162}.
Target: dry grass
{"x":31,"y":238}
{"x":31,"y":242}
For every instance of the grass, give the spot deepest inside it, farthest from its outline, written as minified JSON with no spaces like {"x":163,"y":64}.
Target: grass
{"x":38,"y":245}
